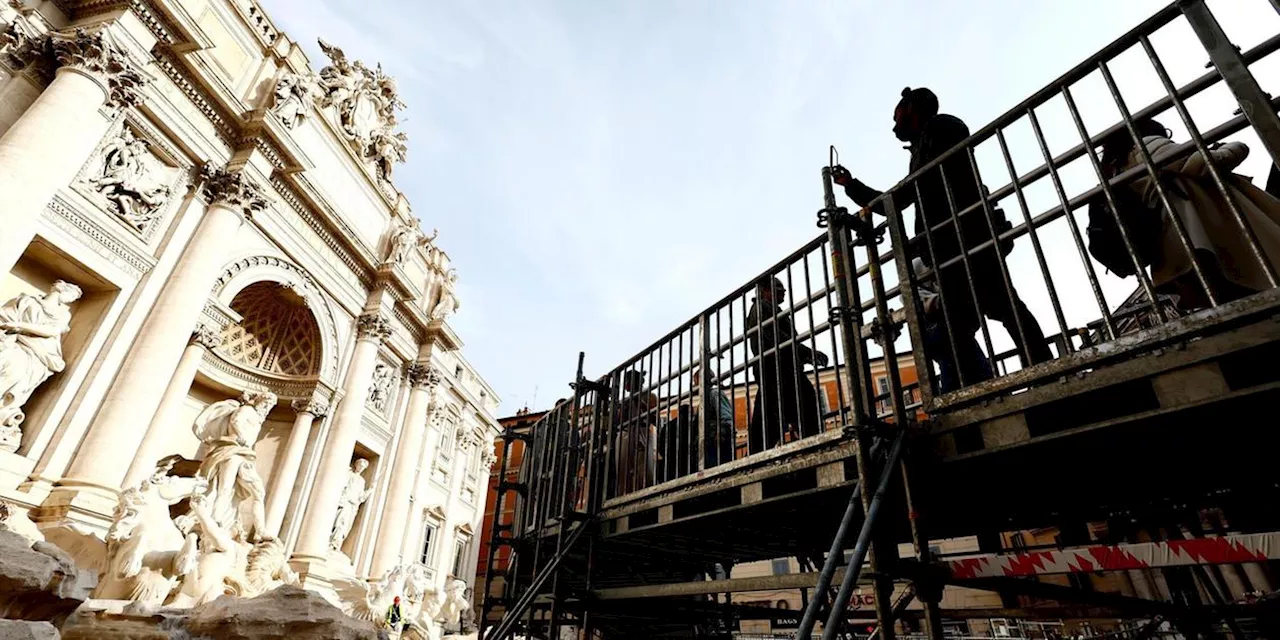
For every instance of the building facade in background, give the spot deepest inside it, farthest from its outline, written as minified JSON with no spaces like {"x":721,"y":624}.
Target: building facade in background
{"x":207,"y":266}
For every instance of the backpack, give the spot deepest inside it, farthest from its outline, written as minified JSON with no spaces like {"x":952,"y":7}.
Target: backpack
{"x":1144,"y":225}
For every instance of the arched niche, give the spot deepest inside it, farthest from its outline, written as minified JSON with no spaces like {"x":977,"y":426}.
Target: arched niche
{"x":262,"y":270}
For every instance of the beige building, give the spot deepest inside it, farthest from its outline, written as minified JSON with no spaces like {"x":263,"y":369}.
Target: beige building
{"x":205,"y":255}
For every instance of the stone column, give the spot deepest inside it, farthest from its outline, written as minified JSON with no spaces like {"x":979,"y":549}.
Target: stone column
{"x":203,"y":339}
{"x":114,"y":433}
{"x":395,"y":515}
{"x":282,"y":485}
{"x":49,"y":143}
{"x":331,"y":477}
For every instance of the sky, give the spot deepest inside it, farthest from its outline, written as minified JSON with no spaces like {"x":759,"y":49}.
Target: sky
{"x":601,"y":171}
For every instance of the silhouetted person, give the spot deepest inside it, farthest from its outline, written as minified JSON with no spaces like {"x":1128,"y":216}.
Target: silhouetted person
{"x":930,"y":134}
{"x":785,"y":400}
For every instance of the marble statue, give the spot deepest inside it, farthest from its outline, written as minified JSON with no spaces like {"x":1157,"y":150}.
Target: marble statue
{"x":217,"y":547}
{"x":294,"y":95}
{"x":384,"y":377}
{"x":448,"y":303}
{"x":126,"y":181}
{"x":387,"y":149}
{"x":145,"y":549}
{"x":31,"y":330}
{"x":229,"y":430}
{"x":404,"y":239}
{"x":456,"y":604}
{"x":353,"y":495}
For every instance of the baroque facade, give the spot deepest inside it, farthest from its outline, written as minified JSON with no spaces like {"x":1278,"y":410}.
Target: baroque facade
{"x":211,"y":278}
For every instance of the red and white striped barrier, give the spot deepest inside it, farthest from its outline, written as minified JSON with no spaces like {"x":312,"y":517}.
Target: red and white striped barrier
{"x":1236,"y":549}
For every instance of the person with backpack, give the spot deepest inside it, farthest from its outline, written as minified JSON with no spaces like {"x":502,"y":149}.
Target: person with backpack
{"x":931,"y":134}
{"x":1222,"y":250}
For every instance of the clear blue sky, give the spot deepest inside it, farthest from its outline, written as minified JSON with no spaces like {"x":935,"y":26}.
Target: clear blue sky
{"x":602,"y":170}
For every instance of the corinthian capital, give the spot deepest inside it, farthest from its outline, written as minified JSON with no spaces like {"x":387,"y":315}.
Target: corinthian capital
{"x":233,"y":190}
{"x":372,"y":326}
{"x":422,"y":375}
{"x":205,"y":336}
{"x":95,"y":54}
{"x":317,"y":408}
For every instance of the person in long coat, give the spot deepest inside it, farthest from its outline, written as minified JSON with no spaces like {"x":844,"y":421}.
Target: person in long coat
{"x":1226,"y":257}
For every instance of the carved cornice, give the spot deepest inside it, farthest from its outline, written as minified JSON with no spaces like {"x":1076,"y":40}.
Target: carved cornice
{"x":206,"y":336}
{"x":357,"y":267}
{"x":315,"y":407}
{"x":233,"y":190}
{"x":372,"y":326}
{"x":94,"y":53}
{"x":167,"y":62}
{"x":423,"y":375}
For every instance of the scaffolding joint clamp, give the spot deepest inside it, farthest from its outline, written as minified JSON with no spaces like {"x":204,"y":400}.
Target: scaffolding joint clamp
{"x":832,"y":215}
{"x":885,"y":332}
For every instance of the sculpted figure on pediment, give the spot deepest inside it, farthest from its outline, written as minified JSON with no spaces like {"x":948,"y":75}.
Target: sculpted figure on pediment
{"x":294,"y":95}
{"x":366,"y":102}
{"x":127,"y":180}
{"x":404,"y":239}
{"x":448,"y":303}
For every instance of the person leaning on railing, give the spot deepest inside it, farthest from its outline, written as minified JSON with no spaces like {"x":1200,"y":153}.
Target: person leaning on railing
{"x":1224,"y":252}
{"x":931,"y":134}
{"x":785,"y":401}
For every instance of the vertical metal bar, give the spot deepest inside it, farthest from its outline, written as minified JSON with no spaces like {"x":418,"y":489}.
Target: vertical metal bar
{"x":1073,"y":225}
{"x":679,"y":395}
{"x":1204,"y":150}
{"x":1255,"y":104}
{"x":613,"y":418}
{"x":1035,"y":241}
{"x":942,"y":295}
{"x":834,"y":555}
{"x":707,"y":410}
{"x":1107,"y":192}
{"x":797,"y":367}
{"x":819,"y":391}
{"x":842,"y":265}
{"x":486,"y":602}
{"x":777,"y":357}
{"x":733,"y":384}
{"x":968,"y":269}
{"x":567,"y":470}
{"x":1000,"y":261}
{"x":835,"y":351}
{"x":860,"y":552}
{"x":883,"y":584}
{"x":930,"y":595}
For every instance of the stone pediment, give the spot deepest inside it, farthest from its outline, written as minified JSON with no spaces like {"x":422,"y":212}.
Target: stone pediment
{"x":435,"y":511}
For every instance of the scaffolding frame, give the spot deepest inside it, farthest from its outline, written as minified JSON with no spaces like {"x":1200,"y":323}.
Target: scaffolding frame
{"x":614,"y":458}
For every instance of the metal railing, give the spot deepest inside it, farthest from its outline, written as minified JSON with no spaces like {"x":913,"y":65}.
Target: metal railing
{"x":767,"y":365}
